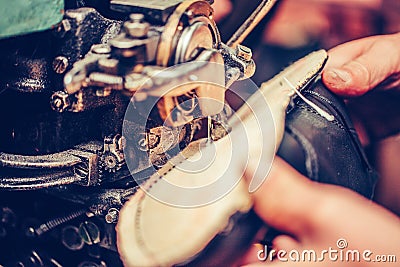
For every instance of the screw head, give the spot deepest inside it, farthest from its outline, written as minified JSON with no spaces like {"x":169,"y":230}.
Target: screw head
{"x":59,"y":101}
{"x":137,"y":27}
{"x":60,"y":64}
{"x":244,"y":52}
{"x":112,"y":215}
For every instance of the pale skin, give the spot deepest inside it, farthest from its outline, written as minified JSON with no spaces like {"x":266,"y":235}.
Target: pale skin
{"x":356,"y":67}
{"x":313,"y":215}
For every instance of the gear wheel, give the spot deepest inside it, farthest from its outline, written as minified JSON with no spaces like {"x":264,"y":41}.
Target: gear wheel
{"x":110,"y":162}
{"x":112,"y":157}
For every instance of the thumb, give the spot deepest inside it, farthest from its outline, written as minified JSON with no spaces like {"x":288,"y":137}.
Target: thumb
{"x":362,"y":73}
{"x":352,"y":79}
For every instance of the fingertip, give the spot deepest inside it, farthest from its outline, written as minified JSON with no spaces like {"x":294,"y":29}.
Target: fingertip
{"x":337,"y":78}
{"x":251,"y":255}
{"x":342,"y":83}
{"x":285,"y":242}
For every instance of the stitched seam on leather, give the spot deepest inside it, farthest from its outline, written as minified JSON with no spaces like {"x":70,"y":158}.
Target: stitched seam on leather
{"x":346,"y":128}
{"x":336,"y":122}
{"x":339,"y":113}
{"x":371,"y":174}
{"x":318,"y":96}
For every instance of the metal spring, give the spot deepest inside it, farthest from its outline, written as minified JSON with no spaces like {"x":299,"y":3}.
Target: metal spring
{"x":53,"y":223}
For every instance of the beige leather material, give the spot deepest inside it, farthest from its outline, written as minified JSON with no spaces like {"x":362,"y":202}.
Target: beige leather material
{"x":153,"y":232}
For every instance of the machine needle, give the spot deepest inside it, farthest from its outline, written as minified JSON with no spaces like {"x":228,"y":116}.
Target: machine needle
{"x":321,"y":112}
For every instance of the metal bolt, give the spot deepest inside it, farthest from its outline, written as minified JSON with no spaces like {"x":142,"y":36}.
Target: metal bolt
{"x":112,"y":215}
{"x":60,"y":64}
{"x":59,"y":101}
{"x":136,"y":17}
{"x":109,"y":65}
{"x":136,"y":27}
{"x":89,"y":233}
{"x":244,"y":52}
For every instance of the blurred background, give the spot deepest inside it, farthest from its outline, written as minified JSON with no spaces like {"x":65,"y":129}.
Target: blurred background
{"x":293,"y":29}
{"x":296,"y":27}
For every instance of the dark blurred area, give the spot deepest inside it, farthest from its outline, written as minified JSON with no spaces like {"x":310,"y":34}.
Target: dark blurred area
{"x":294,"y":28}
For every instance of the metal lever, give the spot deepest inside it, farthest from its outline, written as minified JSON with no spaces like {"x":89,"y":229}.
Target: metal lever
{"x":252,"y":21}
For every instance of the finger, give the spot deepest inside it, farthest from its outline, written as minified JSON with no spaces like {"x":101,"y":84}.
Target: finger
{"x":256,"y":253}
{"x":371,"y":65}
{"x":283,"y":201}
{"x":342,"y":54}
{"x":252,"y":255}
{"x":285,"y":242}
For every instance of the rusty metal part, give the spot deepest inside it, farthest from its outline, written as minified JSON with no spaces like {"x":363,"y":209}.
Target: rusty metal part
{"x":244,"y":52}
{"x":34,"y":181}
{"x":112,"y":156}
{"x":56,"y":160}
{"x":77,"y":165}
{"x":238,"y":63}
{"x":112,"y":215}
{"x":60,"y":101}
{"x":53,"y":223}
{"x":60,"y":64}
{"x":251,"y":22}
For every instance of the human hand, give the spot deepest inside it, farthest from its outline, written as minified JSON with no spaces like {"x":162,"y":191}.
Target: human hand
{"x":315,"y":216}
{"x":356,"y":67}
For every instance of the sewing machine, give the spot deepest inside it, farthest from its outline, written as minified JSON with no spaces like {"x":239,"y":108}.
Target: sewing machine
{"x":100,"y":97}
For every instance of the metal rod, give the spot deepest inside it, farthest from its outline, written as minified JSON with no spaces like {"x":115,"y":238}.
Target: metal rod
{"x":262,"y":9}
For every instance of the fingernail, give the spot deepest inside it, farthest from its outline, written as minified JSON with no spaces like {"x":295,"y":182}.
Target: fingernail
{"x":339,"y":75}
